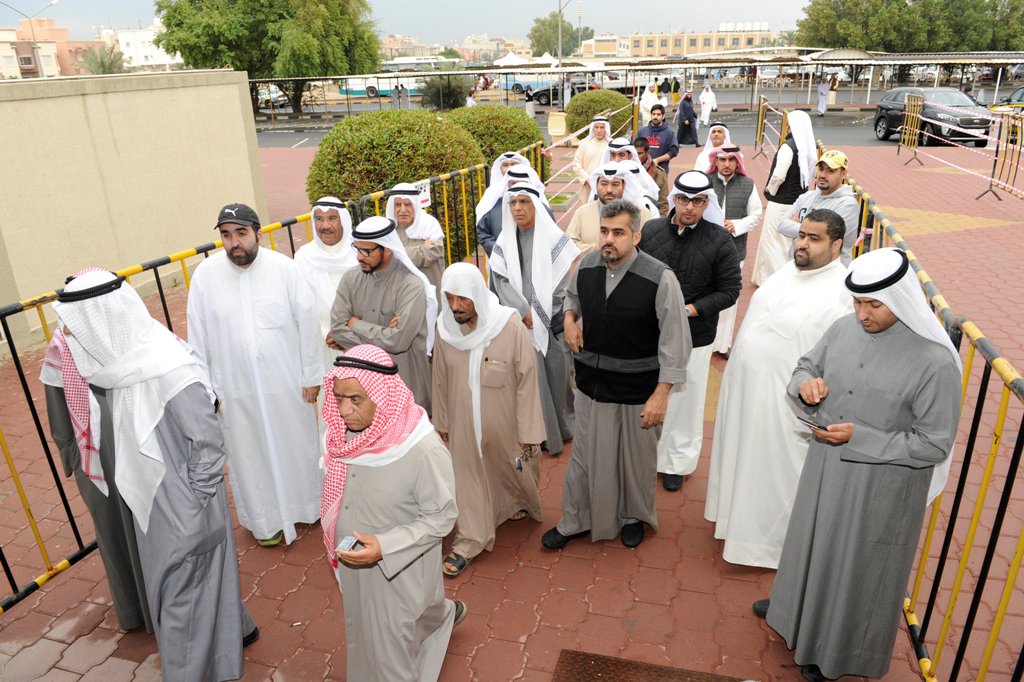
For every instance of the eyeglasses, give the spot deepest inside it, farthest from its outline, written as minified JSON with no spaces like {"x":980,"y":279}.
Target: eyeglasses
{"x":367,"y":252}
{"x":698,"y":202}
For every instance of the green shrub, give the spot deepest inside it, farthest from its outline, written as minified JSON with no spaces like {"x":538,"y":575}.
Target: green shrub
{"x":586,"y":105}
{"x":497,"y":128}
{"x":442,"y":92}
{"x":377,"y":150}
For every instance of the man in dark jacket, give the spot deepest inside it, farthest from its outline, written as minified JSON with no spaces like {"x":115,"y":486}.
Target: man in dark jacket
{"x":692,"y":242}
{"x":662,"y":138}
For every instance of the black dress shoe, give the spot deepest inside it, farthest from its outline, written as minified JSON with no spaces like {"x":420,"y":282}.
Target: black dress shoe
{"x":813,"y":673}
{"x":460,"y":612}
{"x":761,"y":608}
{"x":672,"y":482}
{"x":555,"y":540}
{"x":251,"y":637}
{"x":633,"y":534}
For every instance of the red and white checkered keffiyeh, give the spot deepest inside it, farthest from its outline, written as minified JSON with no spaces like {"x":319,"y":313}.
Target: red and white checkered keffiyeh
{"x":396,"y":418}
{"x":58,"y":362}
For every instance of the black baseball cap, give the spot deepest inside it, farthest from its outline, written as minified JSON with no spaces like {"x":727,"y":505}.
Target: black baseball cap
{"x":239,"y":214}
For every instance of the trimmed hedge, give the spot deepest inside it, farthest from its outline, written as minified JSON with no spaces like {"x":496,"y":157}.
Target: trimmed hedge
{"x":585,"y":106}
{"x":377,"y":150}
{"x":497,"y":128}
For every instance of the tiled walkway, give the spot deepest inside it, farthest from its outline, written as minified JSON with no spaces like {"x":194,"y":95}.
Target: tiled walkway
{"x":671,"y":601}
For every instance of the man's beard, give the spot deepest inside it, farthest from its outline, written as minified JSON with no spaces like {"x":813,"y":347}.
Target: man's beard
{"x":244,"y":258}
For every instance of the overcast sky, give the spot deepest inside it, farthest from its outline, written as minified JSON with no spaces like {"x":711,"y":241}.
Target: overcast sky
{"x":450,"y":21}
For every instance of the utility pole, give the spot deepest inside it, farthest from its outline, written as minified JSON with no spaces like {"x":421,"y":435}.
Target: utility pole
{"x":561,"y":76}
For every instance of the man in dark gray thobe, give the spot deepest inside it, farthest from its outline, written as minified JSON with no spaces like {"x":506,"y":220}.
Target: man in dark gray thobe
{"x":631,"y":350}
{"x":81,"y":427}
{"x":170,"y":461}
{"x":529,"y":270}
{"x":388,"y":302}
{"x":884,"y":384}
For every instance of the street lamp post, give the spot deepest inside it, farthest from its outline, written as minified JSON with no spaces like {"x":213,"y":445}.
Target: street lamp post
{"x":561,"y":76}
{"x":32,"y":28}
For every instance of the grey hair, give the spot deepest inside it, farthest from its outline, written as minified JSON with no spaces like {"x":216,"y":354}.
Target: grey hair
{"x":618,"y":207}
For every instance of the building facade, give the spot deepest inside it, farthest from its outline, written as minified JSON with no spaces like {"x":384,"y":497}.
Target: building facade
{"x":728,"y":37}
{"x":25,"y":58}
{"x":69,"y":52}
{"x":139,"y":49}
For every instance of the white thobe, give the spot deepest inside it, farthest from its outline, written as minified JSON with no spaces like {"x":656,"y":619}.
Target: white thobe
{"x":256,"y":330}
{"x":822,"y":98}
{"x":324,"y":285}
{"x":759,"y":447}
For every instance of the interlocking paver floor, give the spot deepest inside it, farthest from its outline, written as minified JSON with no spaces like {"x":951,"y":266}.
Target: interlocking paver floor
{"x":671,"y":601}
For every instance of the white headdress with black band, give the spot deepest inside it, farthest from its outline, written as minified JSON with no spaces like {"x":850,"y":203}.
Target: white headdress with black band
{"x":424,"y":225}
{"x":496,"y":186}
{"x":694,"y":183}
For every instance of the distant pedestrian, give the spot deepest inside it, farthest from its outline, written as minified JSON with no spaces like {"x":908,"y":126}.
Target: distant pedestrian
{"x":403,"y":93}
{"x":396,"y":102}
{"x":822,"y":97}
{"x":708,"y":104}
{"x":686,"y":120}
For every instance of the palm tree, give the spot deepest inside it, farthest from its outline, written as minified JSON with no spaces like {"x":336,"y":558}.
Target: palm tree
{"x":106,"y":59}
{"x":785,"y":39}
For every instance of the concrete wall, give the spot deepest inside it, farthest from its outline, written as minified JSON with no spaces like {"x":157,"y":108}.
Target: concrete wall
{"x":115,"y":170}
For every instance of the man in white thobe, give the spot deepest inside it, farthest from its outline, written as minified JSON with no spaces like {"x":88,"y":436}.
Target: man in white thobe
{"x":589,"y":155}
{"x":390,"y":489}
{"x":508,"y":168}
{"x":622,"y":149}
{"x":252,"y":320}
{"x":324,"y":260}
{"x":759,"y":446}
{"x":822,"y":97}
{"x":611,"y":181}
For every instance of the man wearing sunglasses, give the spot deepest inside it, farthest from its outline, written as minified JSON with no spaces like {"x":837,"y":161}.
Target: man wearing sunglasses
{"x":693,"y":243}
{"x":389,"y":303}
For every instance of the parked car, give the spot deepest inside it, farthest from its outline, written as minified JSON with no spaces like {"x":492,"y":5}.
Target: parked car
{"x":272,"y":96}
{"x":1014,"y":101}
{"x":549,"y":95}
{"x":968,"y":115}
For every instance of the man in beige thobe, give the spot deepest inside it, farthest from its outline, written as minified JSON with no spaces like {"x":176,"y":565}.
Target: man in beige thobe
{"x":389,"y":303}
{"x":419,"y":231}
{"x":589,"y":154}
{"x":610,"y":181}
{"x":484,"y":362}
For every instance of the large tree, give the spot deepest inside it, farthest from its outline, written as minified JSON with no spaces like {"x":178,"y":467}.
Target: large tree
{"x":544,"y":35}
{"x":297,"y":39}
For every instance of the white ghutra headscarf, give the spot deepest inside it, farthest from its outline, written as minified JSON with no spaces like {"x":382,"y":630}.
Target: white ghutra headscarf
{"x":806,"y":147}
{"x":694,"y":183}
{"x":118,"y":346}
{"x":424,"y":225}
{"x":466,"y":280}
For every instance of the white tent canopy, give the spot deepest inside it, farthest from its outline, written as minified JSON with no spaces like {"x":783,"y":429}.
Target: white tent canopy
{"x":511,"y":59}
{"x":546,"y":58}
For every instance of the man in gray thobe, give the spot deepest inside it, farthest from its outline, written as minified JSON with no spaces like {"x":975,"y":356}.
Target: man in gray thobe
{"x":170,"y":460}
{"x":885,"y":386}
{"x":388,"y":302}
{"x":390,"y":487}
{"x":529,"y":269}
{"x":80,"y":422}
{"x":633,"y":347}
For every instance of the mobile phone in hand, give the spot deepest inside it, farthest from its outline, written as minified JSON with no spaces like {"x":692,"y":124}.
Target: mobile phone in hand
{"x":813,"y":424}
{"x":348,"y":543}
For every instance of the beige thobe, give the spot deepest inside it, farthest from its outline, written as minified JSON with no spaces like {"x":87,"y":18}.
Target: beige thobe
{"x":585,"y":161}
{"x":585,"y":226}
{"x":397,"y":621}
{"x":375,"y":298}
{"x":428,"y":258}
{"x":490,"y":488}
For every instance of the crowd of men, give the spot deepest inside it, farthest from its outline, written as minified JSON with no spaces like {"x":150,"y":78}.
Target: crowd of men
{"x":400,"y":402}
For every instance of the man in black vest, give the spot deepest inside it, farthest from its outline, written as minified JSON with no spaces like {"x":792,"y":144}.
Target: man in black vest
{"x":738,"y":198}
{"x":693,"y":243}
{"x":632,"y":348}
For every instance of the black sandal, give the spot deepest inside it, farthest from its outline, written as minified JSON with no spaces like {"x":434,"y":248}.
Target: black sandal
{"x":457,"y":562}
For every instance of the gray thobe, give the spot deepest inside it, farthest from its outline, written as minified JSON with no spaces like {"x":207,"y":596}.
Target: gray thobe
{"x":375,"y":298}
{"x":111,"y":517}
{"x":613,"y":471}
{"x":489,"y":485}
{"x":397,"y":620}
{"x":188,"y":550}
{"x":852,"y":537}
{"x":428,"y":258}
{"x":554,"y":384}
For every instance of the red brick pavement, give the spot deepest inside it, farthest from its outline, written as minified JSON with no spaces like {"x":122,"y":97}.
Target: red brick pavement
{"x":671,"y":601}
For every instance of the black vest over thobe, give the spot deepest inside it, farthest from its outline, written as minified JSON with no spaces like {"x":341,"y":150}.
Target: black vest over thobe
{"x":791,"y":188}
{"x":733,"y":197}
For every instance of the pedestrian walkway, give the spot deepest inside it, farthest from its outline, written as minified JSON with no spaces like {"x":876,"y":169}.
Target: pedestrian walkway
{"x":672,"y":601}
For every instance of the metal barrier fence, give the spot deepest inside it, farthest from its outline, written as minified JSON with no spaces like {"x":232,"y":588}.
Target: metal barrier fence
{"x":763,"y":125}
{"x":959,"y":545}
{"x":456,"y":215}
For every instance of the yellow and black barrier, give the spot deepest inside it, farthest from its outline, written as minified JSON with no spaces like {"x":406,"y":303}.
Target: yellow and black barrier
{"x":958,"y":544}
{"x":910,"y":131}
{"x":762,"y":119}
{"x":1007,"y":159}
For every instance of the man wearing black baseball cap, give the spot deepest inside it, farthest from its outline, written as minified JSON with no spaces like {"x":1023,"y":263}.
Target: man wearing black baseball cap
{"x":253,"y":320}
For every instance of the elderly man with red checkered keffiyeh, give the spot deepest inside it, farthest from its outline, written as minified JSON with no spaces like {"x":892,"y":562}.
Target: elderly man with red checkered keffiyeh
{"x":389,"y":486}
